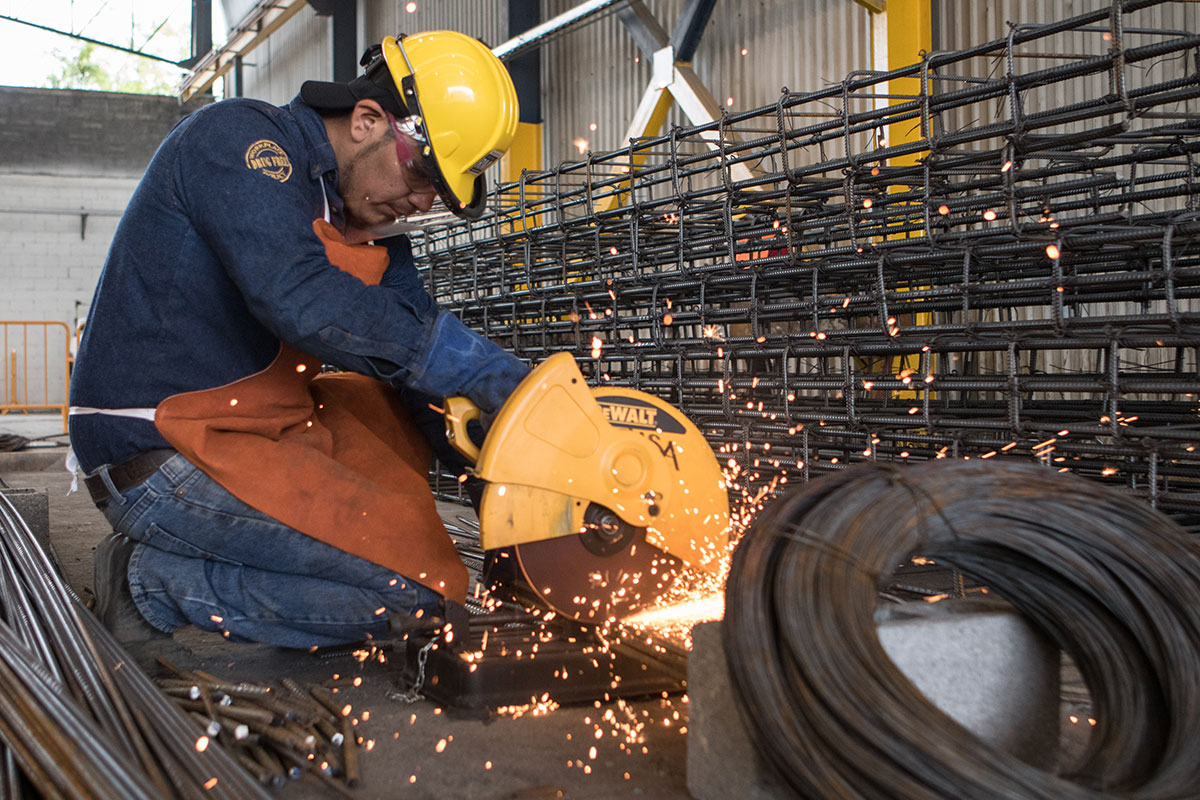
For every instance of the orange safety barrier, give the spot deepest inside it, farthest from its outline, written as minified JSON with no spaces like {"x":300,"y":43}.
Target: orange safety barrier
{"x":33,"y":356}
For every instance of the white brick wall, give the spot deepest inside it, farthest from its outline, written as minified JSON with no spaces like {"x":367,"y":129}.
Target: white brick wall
{"x":47,"y":270}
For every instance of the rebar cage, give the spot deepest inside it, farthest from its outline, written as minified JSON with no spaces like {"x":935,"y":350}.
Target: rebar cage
{"x":992,"y":253}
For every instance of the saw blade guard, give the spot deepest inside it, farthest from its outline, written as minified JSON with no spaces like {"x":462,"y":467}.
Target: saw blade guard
{"x":558,"y":447}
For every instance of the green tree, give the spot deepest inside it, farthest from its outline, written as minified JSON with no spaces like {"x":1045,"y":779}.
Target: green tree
{"x":80,"y":71}
{"x":84,"y":70}
{"x":142,"y":76}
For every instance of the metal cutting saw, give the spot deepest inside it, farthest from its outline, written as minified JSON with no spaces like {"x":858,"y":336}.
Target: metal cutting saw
{"x":604,"y":494}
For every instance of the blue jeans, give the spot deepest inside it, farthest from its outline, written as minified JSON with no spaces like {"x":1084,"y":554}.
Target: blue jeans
{"x":207,"y":559}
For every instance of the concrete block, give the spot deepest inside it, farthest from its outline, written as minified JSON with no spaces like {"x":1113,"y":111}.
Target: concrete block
{"x":722,"y":761}
{"x":989,"y":670}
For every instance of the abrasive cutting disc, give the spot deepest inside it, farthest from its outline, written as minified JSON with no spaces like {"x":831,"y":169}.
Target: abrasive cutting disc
{"x":592,"y":588}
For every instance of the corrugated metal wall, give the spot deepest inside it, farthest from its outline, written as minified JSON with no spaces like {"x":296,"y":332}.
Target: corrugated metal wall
{"x":596,"y":75}
{"x":484,"y":19}
{"x":301,"y":50}
{"x":297,"y":52}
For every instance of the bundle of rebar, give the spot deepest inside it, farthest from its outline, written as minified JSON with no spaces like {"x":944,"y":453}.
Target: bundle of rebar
{"x":992,"y":253}
{"x":1114,"y":584}
{"x":78,"y":717}
{"x":277,"y":732}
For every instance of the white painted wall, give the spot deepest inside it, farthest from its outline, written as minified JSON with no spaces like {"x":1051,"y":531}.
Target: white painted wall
{"x":49,"y":269}
{"x":48,"y":262}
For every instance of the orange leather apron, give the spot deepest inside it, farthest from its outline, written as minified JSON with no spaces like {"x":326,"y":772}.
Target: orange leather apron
{"x":334,"y":456}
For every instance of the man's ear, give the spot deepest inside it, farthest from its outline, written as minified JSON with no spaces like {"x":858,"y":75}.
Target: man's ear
{"x":365,"y":119}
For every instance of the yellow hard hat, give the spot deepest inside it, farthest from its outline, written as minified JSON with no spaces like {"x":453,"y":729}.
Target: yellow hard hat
{"x":462,"y":106}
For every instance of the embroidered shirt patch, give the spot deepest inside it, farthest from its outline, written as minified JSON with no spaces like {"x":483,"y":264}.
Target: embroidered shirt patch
{"x":268,"y":158}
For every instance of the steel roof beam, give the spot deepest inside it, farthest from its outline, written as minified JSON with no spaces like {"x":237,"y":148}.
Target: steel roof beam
{"x":266,"y":17}
{"x":540,"y":34}
{"x":672,"y":78}
{"x":689,"y":29}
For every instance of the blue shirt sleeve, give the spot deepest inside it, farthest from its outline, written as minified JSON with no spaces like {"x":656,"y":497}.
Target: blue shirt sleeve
{"x":241,"y":178}
{"x":402,"y":276}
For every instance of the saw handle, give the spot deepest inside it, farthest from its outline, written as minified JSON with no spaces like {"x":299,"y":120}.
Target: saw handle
{"x":459,"y":412}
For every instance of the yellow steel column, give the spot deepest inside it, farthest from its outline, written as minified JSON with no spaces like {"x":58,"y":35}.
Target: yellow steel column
{"x":525,"y":153}
{"x":909,"y":35}
{"x":648,"y":120}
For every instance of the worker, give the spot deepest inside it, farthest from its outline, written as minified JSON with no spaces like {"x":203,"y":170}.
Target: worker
{"x":253,"y":491}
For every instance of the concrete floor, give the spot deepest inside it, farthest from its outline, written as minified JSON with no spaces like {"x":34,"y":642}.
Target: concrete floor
{"x":530,"y":757}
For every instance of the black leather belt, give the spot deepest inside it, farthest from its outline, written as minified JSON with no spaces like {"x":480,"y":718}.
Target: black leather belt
{"x":127,"y":474}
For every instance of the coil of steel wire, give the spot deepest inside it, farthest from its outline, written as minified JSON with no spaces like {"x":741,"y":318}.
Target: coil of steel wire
{"x":1114,"y":583}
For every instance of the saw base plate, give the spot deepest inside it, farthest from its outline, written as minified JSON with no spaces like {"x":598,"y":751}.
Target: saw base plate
{"x":527,"y":662}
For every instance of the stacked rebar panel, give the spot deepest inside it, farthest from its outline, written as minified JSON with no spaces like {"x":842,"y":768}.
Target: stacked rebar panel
{"x":990,"y":254}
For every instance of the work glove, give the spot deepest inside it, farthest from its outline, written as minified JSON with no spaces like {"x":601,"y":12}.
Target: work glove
{"x":457,"y":361}
{"x":486,"y":418}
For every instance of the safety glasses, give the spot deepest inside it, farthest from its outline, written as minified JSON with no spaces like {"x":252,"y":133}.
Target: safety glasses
{"x":419,"y":179}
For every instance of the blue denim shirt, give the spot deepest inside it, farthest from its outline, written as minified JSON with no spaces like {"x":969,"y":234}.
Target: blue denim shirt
{"x":215,"y":262}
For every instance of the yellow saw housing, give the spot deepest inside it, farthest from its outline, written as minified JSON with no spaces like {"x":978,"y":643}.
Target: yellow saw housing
{"x":558,"y":446}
